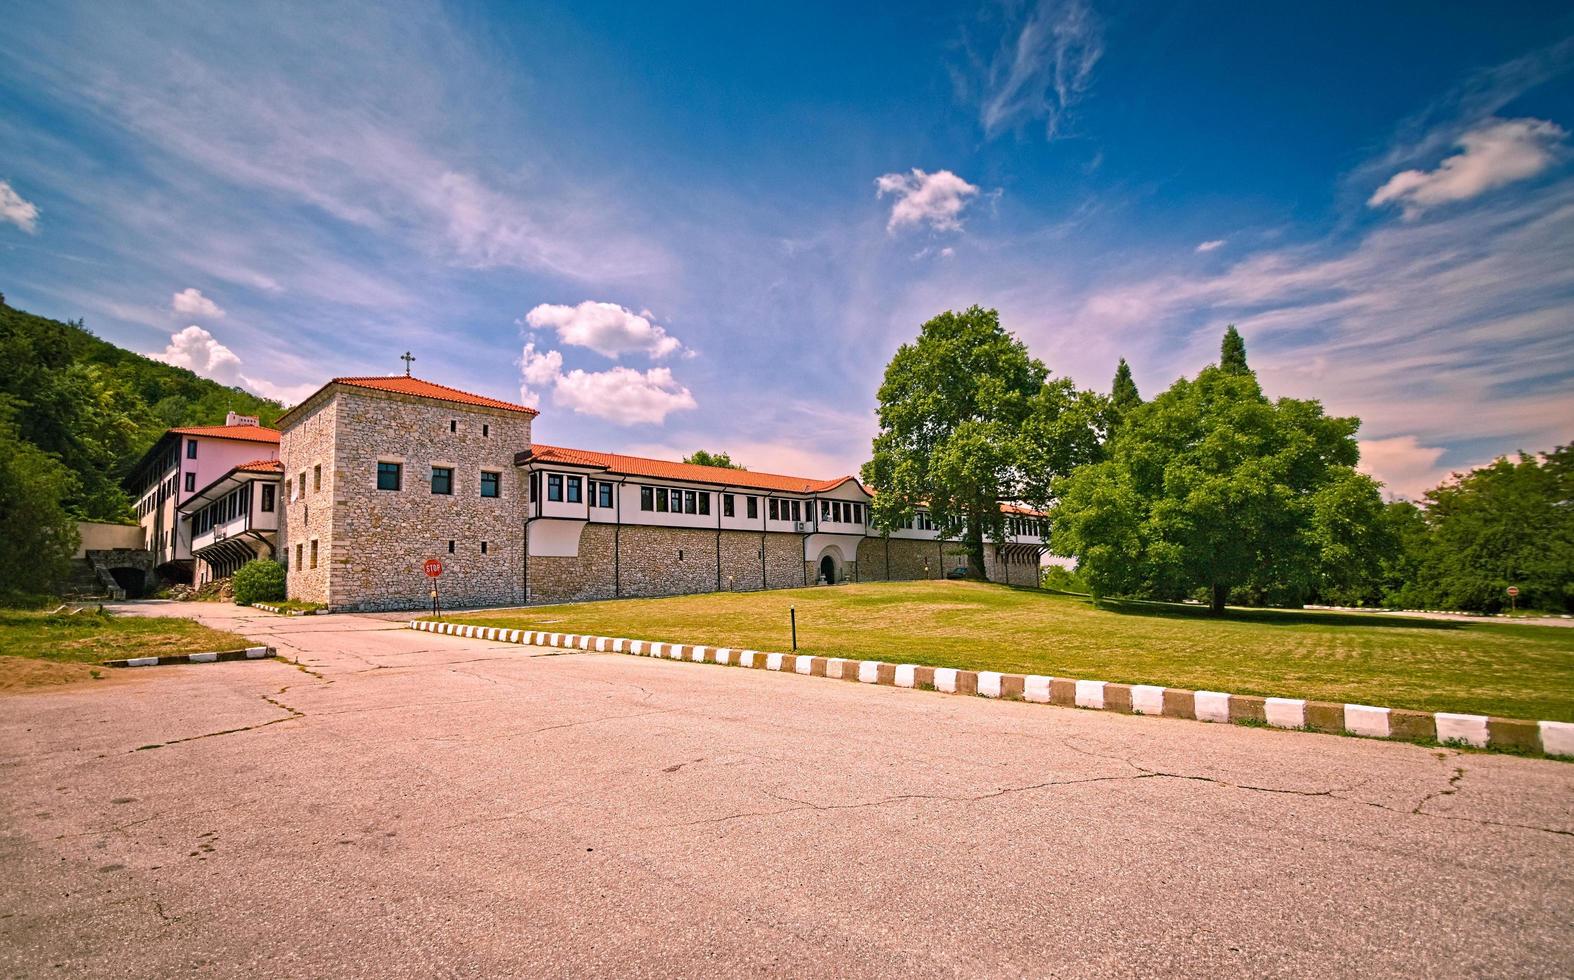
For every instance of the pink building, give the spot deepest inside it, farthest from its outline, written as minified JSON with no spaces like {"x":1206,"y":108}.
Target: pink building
{"x":183,"y":464}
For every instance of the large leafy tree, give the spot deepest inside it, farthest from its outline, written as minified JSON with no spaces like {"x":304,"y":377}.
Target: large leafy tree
{"x":969,"y":420}
{"x":37,"y":537}
{"x":1510,"y":523}
{"x":1212,"y":487}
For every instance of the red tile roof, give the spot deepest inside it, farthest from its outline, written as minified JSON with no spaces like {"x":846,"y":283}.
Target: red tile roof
{"x":664,"y":470}
{"x":242,"y":433}
{"x":404,"y":385}
{"x":262,"y":466}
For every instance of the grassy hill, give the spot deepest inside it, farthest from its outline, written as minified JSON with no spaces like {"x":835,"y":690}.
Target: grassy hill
{"x":97,"y":407}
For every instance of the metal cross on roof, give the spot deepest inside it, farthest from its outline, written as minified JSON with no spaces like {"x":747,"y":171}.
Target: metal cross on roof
{"x":407,"y":359}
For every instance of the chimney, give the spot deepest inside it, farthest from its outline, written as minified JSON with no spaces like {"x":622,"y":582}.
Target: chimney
{"x":234,"y":419}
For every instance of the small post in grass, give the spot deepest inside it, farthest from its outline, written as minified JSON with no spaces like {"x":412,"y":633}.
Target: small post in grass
{"x":792,"y":615}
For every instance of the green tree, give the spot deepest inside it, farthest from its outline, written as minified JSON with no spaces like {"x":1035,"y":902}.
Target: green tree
{"x":37,"y":536}
{"x":1509,"y":523}
{"x":1123,"y":396}
{"x":1213,"y":487}
{"x":967,"y":421}
{"x":702,"y":458}
{"x":1232,"y":352}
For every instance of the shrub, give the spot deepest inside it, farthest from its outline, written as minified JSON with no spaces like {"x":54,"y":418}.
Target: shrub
{"x":261,"y":580}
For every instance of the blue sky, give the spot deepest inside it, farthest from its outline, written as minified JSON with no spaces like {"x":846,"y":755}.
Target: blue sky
{"x":710,"y":226}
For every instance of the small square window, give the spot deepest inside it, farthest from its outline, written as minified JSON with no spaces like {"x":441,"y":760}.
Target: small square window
{"x":486,"y":430}
{"x":489,"y":484}
{"x":575,"y":489}
{"x":797,"y":510}
{"x":450,"y":546}
{"x":483,"y":547}
{"x":704,"y":503}
{"x":726,"y":505}
{"x":604,"y":494}
{"x":453,"y":425}
{"x":191,"y":449}
{"x":388,"y":476}
{"x":191,"y":482}
{"x":647,"y":497}
{"x":661,"y":500}
{"x":555,"y":487}
{"x":753,"y":507}
{"x":314,"y":553}
{"x":267,"y":498}
{"x":689,"y":503}
{"x":300,"y":557}
{"x":442,"y":479}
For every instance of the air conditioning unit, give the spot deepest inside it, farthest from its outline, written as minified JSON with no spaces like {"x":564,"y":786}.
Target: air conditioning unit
{"x":801,"y":527}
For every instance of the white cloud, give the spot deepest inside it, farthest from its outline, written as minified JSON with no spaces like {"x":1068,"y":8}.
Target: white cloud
{"x":935,"y":199}
{"x":191,"y":302}
{"x":1498,"y":152}
{"x":198,"y":351}
{"x":20,"y":212}
{"x":1042,"y":67}
{"x":622,"y":395}
{"x":1210,"y":245}
{"x":1405,"y":467}
{"x":605,"y":328}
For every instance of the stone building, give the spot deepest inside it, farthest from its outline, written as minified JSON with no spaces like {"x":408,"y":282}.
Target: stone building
{"x":380,"y":474}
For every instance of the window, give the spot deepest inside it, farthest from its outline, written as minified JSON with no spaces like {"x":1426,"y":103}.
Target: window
{"x":191,"y":449}
{"x":301,"y":483}
{"x":388,"y":476}
{"x":453,"y":426}
{"x":450,"y":546}
{"x":753,"y":506}
{"x":704,"y":503}
{"x":299,"y":556}
{"x":661,"y":500}
{"x":267,"y":498}
{"x":689,"y":503}
{"x":314,"y":553}
{"x":726,"y":505}
{"x":647,"y":498}
{"x":775,"y":505}
{"x":555,"y":487}
{"x":442,"y":479}
{"x":289,"y":489}
{"x":483,"y":547}
{"x":316,"y":478}
{"x":601,"y":495}
{"x":576,"y":486}
{"x":191,"y":482}
{"x":489,"y":483}
{"x":797,"y":511}
{"x":486,"y":430}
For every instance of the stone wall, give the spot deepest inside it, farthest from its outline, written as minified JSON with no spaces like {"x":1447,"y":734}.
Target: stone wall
{"x":375,"y":541}
{"x":306,"y":515}
{"x":907,"y":557}
{"x":659,"y":561}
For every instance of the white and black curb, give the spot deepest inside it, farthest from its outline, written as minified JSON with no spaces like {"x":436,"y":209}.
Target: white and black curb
{"x":250,"y":653}
{"x":1554,"y":738}
{"x":267,"y":607}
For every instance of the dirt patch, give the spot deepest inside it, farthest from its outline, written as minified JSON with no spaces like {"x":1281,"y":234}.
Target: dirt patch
{"x":19,"y":675}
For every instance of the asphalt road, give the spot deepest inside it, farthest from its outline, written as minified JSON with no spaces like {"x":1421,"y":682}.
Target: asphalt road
{"x":406,"y":804}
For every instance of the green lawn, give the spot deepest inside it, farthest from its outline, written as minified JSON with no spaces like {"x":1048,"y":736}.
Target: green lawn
{"x":1481,"y":668}
{"x":91,"y":637}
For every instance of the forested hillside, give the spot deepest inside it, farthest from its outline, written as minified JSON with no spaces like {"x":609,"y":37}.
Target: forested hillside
{"x":96,"y":407}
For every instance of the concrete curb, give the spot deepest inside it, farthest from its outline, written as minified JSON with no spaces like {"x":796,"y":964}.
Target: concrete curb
{"x":280,"y":610}
{"x":1478,"y":731}
{"x":250,"y":653}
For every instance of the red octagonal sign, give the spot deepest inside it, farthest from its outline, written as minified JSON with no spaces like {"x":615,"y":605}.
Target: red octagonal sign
{"x":433,"y":568}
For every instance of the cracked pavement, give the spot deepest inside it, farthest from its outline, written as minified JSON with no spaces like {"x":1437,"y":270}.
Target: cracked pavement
{"x":398,"y":803}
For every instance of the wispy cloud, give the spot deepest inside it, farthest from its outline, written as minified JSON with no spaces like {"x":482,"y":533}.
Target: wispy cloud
{"x":1494,"y":154}
{"x":935,"y":199}
{"x":1041,"y":68}
{"x":1210,"y":246}
{"x":17,"y":210}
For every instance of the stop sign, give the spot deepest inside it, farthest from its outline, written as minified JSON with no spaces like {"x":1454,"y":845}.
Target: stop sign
{"x":433,"y":568}
{"x":1513,"y":591}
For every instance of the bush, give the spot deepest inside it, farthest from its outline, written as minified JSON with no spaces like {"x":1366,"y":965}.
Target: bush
{"x":261,"y":580}
{"x":1059,"y":578}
